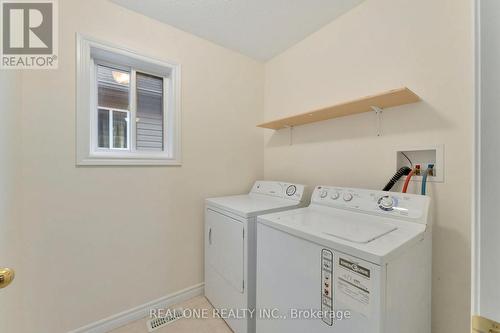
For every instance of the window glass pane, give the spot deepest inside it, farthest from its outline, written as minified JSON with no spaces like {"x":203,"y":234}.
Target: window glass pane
{"x":120,"y":129}
{"x":149,"y":120}
{"x":103,"y":128}
{"x":113,"y":86}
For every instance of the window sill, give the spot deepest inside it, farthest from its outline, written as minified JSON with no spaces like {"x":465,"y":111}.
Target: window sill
{"x":91,"y":161}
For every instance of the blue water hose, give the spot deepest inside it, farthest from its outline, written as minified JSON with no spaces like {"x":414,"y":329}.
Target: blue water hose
{"x":424,"y":178}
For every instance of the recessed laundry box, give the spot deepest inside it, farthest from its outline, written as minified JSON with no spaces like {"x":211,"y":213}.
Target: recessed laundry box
{"x":354,"y":261}
{"x":230,"y":247}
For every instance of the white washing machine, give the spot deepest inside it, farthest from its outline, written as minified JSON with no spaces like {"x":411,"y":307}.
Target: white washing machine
{"x":230,"y":247}
{"x":354,"y":261}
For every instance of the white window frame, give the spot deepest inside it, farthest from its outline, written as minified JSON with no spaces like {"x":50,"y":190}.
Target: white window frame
{"x":91,"y":52}
{"x":110,"y":129}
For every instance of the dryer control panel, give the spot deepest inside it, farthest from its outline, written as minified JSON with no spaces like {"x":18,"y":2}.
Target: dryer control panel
{"x":401,"y":205}
{"x":279,"y":189}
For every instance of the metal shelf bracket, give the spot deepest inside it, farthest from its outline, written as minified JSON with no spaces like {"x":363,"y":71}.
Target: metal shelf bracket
{"x":290,"y":134}
{"x":378,"y":111}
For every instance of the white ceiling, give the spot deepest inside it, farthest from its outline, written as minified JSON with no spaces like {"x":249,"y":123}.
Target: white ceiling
{"x":260,"y":29}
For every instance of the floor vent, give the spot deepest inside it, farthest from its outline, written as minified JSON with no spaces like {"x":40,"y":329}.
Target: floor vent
{"x":157,"y":323}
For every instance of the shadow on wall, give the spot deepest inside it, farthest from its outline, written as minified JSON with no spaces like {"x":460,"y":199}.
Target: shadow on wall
{"x":407,"y":119}
{"x":448,"y":243}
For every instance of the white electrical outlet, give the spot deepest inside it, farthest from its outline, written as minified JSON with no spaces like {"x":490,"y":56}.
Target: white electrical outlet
{"x":423,"y":155}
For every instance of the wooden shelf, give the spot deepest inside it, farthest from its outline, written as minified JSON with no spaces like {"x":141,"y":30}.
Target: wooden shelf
{"x":384,"y":100}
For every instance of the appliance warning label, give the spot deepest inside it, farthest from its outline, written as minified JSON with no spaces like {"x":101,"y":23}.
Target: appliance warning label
{"x":327,"y":260}
{"x":354,"y":286}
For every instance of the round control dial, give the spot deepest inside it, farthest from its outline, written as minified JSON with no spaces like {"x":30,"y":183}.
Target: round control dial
{"x":347,"y":197}
{"x":290,"y":190}
{"x":323,"y":194}
{"x":386,"y":203}
{"x":335,"y":195}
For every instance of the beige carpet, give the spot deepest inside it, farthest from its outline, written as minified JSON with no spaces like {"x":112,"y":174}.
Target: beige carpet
{"x":184,"y":325}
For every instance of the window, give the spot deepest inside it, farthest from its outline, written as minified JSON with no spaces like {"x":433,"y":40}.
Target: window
{"x":114,"y":111}
{"x":128,"y":110}
{"x":113,"y":115}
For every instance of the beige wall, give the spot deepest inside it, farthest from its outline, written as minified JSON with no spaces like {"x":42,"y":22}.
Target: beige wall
{"x":380,"y":45}
{"x":100,"y":240}
{"x":10,"y":228}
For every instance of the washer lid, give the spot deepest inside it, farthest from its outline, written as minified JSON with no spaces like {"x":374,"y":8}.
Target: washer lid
{"x":353,"y":227}
{"x":358,"y":231}
{"x":370,"y":237}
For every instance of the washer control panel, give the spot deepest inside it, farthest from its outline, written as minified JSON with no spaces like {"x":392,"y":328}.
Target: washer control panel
{"x":279,"y":189}
{"x":405,"y":205}
{"x":326,"y":286}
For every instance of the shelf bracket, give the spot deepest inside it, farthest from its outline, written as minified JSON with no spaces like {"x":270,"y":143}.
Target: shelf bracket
{"x":290,"y":134}
{"x":378,"y":112}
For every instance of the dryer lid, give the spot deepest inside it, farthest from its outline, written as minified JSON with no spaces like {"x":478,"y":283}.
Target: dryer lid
{"x":249,"y":205}
{"x":265,"y":197}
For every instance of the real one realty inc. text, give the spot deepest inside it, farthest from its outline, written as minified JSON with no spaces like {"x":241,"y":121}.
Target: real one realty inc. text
{"x":276,"y":314}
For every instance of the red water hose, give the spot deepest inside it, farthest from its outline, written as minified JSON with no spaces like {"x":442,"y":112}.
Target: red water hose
{"x":407,"y":181}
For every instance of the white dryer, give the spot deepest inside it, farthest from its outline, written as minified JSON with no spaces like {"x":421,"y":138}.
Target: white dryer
{"x":230,"y":247}
{"x":354,"y":261}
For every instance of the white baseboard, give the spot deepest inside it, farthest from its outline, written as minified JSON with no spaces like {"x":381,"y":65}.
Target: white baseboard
{"x":141,"y":311}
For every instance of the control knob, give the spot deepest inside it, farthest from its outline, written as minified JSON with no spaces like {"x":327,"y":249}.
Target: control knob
{"x":386,"y":203}
{"x":347,"y":197}
{"x":290,"y":190}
